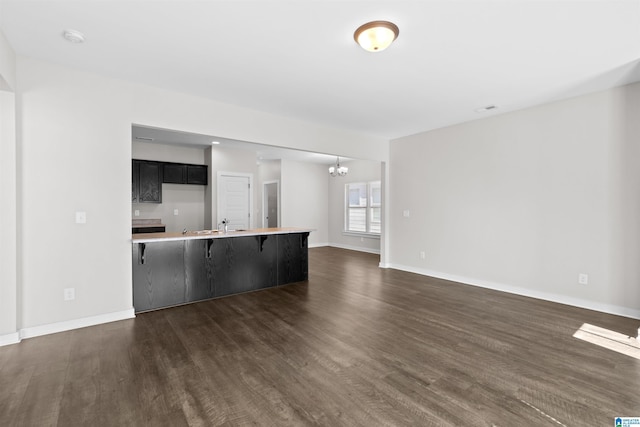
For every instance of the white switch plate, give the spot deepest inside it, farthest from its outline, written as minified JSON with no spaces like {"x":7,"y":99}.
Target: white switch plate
{"x":81,"y":217}
{"x":69,"y":294}
{"x":423,"y":255}
{"x":175,"y":211}
{"x":583,"y":279}
{"x":406,"y":213}
{"x":136,"y":213}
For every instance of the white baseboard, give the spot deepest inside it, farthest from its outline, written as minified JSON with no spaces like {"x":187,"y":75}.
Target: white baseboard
{"x":68,"y":325}
{"x":562,"y":299}
{"x":318,"y":245}
{"x":355,"y":248}
{"x":8,"y":339}
{"x":348,"y":247}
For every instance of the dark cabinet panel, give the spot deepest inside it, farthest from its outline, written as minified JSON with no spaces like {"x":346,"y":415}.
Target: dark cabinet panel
{"x":135,"y":180}
{"x":266,"y":261}
{"x":198,"y":271}
{"x":197,"y":174}
{"x":174,"y":173}
{"x":141,"y":230}
{"x":293,"y":263}
{"x":178,"y":173}
{"x":244,"y":264}
{"x":158,"y":275}
{"x":233,"y":262}
{"x":147,"y":177}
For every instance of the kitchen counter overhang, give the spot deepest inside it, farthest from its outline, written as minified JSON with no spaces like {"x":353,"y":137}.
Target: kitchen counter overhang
{"x":214,"y":234}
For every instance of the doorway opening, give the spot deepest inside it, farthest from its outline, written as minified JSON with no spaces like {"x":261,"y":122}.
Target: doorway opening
{"x":271,"y":204}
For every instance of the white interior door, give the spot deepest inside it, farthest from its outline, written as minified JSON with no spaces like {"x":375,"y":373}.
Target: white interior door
{"x":234,"y":200}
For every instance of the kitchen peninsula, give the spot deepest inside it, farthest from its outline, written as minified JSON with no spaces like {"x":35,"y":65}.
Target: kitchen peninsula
{"x":177,"y":268}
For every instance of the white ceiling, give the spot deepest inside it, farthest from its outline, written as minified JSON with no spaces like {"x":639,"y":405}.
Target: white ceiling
{"x":298,"y":58}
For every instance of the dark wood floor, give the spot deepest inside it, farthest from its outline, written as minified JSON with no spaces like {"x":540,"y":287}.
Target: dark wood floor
{"x":356,"y":345}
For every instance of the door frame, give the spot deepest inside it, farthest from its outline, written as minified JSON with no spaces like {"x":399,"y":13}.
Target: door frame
{"x":218,"y":192}
{"x":265,"y":201}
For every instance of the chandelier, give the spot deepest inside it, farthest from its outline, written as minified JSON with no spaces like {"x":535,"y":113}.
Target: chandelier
{"x":338,"y":170}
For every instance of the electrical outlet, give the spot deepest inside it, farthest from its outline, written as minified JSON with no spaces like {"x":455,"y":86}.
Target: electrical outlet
{"x":69,"y":294}
{"x":583,"y":279}
{"x":136,"y":213}
{"x":406,"y":213}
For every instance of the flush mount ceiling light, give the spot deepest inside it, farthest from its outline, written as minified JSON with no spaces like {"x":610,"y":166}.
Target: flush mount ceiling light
{"x":73,"y":36}
{"x":376,"y":36}
{"x":338,"y":170}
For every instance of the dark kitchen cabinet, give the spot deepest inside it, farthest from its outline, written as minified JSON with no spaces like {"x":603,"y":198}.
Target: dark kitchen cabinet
{"x":197,"y":174}
{"x":143,"y":230}
{"x":174,"y":173}
{"x":146,"y":181}
{"x":170,"y":273}
{"x":179,"y":173}
{"x":135,"y":179}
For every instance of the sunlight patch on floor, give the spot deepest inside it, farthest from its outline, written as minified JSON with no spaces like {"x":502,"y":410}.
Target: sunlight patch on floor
{"x":608,"y":339}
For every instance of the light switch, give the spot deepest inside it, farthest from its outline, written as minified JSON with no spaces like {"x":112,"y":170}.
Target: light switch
{"x":405,"y":213}
{"x":81,"y":217}
{"x":175,"y":211}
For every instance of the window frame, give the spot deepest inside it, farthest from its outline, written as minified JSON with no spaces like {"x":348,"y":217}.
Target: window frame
{"x":368,"y":208}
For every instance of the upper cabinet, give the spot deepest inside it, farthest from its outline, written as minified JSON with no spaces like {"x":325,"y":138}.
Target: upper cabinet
{"x":148,"y":176}
{"x":197,"y":174}
{"x":179,"y":173}
{"x":174,"y":173}
{"x":146,"y":181}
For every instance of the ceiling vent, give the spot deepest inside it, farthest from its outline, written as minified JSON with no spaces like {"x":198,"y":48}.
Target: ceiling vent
{"x":487,"y":108}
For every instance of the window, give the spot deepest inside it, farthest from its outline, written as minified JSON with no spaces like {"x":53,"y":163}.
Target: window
{"x":363,"y":207}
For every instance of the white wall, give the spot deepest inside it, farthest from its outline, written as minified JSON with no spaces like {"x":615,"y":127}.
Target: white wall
{"x":75,"y":138}
{"x":75,"y":134}
{"x":8,"y":219}
{"x":359,"y":171}
{"x":304,"y":192}
{"x":7,"y":65}
{"x":8,"y":198}
{"x":225,"y":159}
{"x":526,"y":201}
{"x":188,"y":199}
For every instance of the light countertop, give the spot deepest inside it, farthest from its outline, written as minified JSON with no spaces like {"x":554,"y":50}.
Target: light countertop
{"x":214,"y":234}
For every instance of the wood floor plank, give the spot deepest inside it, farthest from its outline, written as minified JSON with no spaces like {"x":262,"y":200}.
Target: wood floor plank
{"x":355,"y":345}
